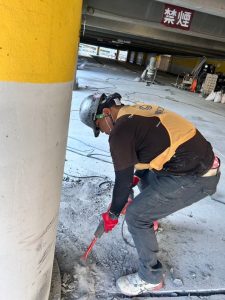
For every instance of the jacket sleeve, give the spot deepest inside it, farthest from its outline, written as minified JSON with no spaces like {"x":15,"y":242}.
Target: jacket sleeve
{"x":122,"y":189}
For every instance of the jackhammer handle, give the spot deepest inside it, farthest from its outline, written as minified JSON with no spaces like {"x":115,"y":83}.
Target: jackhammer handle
{"x":100,"y":229}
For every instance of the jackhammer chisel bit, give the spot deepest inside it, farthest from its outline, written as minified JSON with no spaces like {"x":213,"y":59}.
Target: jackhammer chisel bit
{"x":98,"y":233}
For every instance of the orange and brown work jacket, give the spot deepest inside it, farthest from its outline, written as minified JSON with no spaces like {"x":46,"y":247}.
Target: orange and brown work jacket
{"x":151,"y":137}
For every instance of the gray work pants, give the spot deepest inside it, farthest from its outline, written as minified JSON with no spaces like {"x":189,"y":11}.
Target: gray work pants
{"x":160,"y":196}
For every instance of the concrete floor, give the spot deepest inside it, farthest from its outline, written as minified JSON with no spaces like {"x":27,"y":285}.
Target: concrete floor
{"x":191,"y":241}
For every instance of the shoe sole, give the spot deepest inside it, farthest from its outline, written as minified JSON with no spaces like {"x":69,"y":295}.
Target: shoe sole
{"x":156,"y":288}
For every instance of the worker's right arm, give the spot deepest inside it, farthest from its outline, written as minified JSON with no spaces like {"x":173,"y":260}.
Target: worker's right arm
{"x":122,"y":142}
{"x":122,"y":188}
{"x":124,"y":182}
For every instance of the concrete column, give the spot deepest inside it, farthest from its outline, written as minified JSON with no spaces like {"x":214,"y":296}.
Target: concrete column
{"x":117,"y":54}
{"x":135,"y":57}
{"x":144,"y":61}
{"x":98,"y":50}
{"x":139,"y":58}
{"x":39,"y":41}
{"x":130,"y":56}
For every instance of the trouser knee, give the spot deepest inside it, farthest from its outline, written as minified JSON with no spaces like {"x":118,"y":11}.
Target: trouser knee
{"x":135,"y":219}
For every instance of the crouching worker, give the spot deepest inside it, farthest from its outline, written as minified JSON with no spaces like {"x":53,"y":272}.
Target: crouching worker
{"x":176,"y":166}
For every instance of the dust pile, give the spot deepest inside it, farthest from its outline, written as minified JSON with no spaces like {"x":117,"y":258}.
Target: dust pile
{"x":83,"y":201}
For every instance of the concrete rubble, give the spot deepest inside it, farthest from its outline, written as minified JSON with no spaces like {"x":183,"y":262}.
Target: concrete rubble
{"x":192,"y":241}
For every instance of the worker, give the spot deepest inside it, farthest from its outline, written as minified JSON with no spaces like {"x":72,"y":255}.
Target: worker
{"x":176,"y":166}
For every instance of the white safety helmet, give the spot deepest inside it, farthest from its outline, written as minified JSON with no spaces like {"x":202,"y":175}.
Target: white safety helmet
{"x":94,"y":104}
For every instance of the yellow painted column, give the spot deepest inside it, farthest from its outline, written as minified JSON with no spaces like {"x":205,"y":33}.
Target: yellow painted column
{"x":38,"y":51}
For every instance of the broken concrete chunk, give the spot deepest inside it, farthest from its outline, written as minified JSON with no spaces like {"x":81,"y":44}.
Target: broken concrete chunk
{"x":178,"y":282}
{"x":66,"y":277}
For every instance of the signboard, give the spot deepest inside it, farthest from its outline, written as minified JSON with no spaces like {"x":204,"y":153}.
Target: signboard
{"x":177,"y":17}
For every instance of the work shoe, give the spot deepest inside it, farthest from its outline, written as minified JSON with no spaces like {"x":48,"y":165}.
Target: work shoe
{"x":211,"y":96}
{"x":133,"y":285}
{"x":218,"y":97}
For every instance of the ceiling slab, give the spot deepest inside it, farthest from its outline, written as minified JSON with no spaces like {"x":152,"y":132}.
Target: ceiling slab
{"x":215,"y":7}
{"x":124,"y":24}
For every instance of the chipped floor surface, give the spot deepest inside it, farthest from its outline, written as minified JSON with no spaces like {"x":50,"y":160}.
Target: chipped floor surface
{"x":191,"y":241}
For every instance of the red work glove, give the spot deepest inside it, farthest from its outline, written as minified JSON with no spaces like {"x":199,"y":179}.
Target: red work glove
{"x":135,"y":180}
{"x":109,"y":222}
